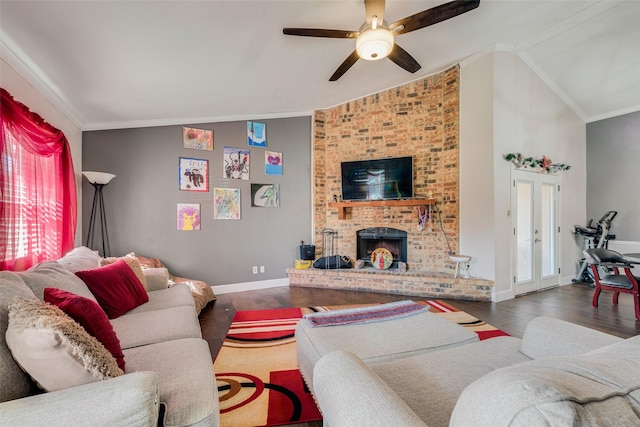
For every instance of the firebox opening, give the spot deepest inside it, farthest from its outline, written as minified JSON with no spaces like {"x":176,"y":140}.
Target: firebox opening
{"x":392,"y":239}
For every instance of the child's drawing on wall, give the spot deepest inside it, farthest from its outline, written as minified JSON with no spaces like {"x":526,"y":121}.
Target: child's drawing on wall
{"x":236,"y":163}
{"x":188,"y":216}
{"x":265,"y":195}
{"x":256,"y":134}
{"x":272,"y":163}
{"x":226,"y":203}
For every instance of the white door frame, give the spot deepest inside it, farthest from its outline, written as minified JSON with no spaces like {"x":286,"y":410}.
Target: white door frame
{"x":536,"y":279}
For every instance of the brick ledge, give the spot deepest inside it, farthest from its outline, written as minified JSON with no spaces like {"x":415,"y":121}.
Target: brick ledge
{"x":415,"y":283}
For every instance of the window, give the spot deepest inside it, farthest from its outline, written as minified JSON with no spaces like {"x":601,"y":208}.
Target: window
{"x":37,"y":188}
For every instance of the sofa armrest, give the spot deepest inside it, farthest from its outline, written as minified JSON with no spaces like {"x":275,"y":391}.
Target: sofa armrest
{"x":350,"y":394}
{"x":130,"y":400}
{"x":157,"y":278}
{"x":549,"y":337}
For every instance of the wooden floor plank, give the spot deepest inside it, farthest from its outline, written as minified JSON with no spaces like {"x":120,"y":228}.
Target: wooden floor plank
{"x":571,"y":303}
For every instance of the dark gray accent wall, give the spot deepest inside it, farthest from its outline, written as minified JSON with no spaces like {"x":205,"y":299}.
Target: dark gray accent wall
{"x":613,"y":167}
{"x":142,"y":200}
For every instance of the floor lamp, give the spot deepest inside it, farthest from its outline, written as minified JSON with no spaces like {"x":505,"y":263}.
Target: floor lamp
{"x":99,"y":180}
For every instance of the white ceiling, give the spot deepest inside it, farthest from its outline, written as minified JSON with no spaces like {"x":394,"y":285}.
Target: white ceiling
{"x":116,"y":64}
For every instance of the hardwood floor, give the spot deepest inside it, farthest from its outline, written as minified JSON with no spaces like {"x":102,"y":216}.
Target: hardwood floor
{"x":571,"y":303}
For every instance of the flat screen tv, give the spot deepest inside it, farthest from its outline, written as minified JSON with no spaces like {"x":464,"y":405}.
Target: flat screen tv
{"x":378,"y":179}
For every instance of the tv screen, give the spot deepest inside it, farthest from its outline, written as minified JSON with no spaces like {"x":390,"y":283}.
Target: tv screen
{"x":379,"y":179}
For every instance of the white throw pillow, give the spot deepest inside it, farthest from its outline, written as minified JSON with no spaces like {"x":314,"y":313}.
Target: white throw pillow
{"x":53,"y":349}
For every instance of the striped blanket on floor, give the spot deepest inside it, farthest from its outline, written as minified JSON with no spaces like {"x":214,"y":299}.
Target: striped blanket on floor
{"x":368,"y":314}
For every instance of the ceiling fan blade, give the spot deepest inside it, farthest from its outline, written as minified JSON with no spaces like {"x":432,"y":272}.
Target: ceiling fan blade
{"x":433,"y":16}
{"x":402,"y":58}
{"x":351,"y":59}
{"x":319,"y":32}
{"x":374,"y":8}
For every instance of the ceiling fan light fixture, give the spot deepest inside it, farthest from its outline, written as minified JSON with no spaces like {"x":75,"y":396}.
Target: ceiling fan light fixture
{"x":374,"y":44}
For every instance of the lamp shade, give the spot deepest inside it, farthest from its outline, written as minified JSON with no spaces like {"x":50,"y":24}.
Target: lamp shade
{"x":98,"y":177}
{"x":374,"y":44}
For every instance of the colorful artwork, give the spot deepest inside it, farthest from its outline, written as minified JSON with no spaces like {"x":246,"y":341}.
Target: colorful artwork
{"x":256,"y":134}
{"x":236,"y":163}
{"x":272,"y":163}
{"x":188,"y":216}
{"x":226,"y":203}
{"x":265,"y":195}
{"x":193,"y":174}
{"x":198,"y":139}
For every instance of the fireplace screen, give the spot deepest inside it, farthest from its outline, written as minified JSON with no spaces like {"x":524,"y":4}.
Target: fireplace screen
{"x":394,"y":240}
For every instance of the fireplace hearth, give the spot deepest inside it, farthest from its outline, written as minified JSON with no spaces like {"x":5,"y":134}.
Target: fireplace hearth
{"x":392,"y":239}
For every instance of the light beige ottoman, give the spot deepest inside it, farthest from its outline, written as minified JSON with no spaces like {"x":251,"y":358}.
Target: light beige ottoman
{"x":377,"y":341}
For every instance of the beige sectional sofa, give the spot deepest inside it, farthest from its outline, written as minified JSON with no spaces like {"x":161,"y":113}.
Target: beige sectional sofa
{"x":168,"y":380}
{"x":558,"y":374}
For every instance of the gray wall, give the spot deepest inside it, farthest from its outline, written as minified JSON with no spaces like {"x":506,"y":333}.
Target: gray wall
{"x":613,"y":173}
{"x":141,"y":201}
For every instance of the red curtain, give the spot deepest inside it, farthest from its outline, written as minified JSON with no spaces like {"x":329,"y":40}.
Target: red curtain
{"x":38,"y":208}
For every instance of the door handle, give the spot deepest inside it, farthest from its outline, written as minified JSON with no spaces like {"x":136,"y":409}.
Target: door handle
{"x":536,"y":240}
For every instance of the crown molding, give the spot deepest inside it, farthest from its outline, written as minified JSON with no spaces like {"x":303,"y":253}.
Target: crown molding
{"x":27,"y":68}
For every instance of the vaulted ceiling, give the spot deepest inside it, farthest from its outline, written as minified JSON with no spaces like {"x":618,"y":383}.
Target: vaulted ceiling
{"x":115,"y":64}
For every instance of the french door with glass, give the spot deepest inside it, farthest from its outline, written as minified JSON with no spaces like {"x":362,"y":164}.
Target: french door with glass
{"x":534,"y":213}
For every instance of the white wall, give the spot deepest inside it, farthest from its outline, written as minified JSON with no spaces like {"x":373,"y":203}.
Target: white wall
{"x":527,"y":117}
{"x":24,"y":92}
{"x":476,"y":166}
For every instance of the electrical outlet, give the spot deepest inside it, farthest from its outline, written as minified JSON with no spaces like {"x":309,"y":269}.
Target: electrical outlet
{"x":262,"y":269}
{"x":255,"y":269}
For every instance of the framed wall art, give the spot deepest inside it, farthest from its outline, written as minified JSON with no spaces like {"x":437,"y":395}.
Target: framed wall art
{"x":193,"y":174}
{"x":197,"y":139}
{"x":236,"y":163}
{"x":265,"y":195}
{"x":256,"y":134}
{"x":272,"y":163}
{"x":188,"y":216}
{"x":226,"y":203}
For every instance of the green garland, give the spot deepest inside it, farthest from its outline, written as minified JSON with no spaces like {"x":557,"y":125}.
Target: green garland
{"x":545,"y":164}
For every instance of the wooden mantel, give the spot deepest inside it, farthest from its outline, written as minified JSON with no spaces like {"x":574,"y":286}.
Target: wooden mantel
{"x":342,"y":206}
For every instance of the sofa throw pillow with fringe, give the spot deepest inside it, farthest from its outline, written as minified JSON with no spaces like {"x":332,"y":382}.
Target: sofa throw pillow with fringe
{"x":90,"y":316}
{"x":116,"y":288}
{"x":53,"y":349}
{"x":132,"y":262}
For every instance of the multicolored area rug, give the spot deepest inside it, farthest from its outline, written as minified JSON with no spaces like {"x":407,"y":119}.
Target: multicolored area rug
{"x":256,"y":369}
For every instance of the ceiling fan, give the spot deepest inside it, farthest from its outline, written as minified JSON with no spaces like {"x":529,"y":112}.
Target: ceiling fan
{"x":376,"y":40}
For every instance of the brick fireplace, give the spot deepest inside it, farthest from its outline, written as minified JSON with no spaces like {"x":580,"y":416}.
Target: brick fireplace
{"x":419,"y":119}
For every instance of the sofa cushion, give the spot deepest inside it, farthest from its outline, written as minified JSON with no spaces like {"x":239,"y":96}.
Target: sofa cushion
{"x":430,"y":383}
{"x":53,"y":349}
{"x":116,"y":288}
{"x":14,"y":383}
{"x":80,"y":258}
{"x":50,"y":274}
{"x":132,"y":262}
{"x":149,"y":327}
{"x":600,"y":388}
{"x":90,"y":316}
{"x":186,"y":383}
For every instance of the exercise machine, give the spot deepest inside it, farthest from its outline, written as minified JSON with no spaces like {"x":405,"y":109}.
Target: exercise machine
{"x":594,"y":237}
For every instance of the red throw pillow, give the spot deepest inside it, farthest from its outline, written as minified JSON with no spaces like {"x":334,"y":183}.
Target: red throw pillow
{"x":90,"y":316}
{"x":116,"y":288}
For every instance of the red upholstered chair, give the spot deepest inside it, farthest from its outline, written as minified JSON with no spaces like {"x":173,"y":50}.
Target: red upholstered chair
{"x":606,"y":266}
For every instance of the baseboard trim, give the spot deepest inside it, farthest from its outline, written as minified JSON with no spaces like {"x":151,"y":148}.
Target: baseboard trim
{"x":249,"y":286}
{"x":502,"y":295}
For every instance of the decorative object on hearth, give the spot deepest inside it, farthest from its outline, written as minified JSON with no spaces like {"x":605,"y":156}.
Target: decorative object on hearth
{"x":376,"y":39}
{"x":99,"y":180}
{"x":381,"y":258}
{"x":544,"y":164}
